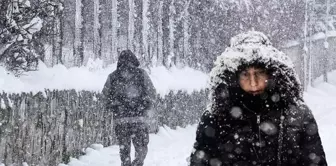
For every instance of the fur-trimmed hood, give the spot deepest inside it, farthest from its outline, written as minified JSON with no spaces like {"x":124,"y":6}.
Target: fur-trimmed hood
{"x":249,"y":49}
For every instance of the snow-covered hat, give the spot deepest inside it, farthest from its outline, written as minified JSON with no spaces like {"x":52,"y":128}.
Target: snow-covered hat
{"x":247,"y":49}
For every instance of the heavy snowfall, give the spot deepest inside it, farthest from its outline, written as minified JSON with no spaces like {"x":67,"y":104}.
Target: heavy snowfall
{"x":56,"y":56}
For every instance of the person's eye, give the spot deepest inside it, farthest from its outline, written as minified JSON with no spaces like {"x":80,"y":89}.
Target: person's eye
{"x":244,"y":75}
{"x":261,"y":73}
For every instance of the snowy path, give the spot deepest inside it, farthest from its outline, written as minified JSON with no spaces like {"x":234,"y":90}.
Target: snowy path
{"x":172,"y":147}
{"x":167,"y":148}
{"x":322,"y":100}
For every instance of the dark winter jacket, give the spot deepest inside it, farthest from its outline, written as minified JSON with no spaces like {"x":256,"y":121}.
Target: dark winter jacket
{"x":275,"y":128}
{"x":128,"y":90}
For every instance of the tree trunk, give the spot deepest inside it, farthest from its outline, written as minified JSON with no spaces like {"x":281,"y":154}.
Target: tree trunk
{"x":145,"y":30}
{"x":160,"y":36}
{"x":61,"y":38}
{"x":326,"y":46}
{"x":53,"y":42}
{"x":3,"y":10}
{"x":130,"y":25}
{"x":171,"y":55}
{"x":311,"y":56}
{"x":96,"y":33}
{"x":114,"y":54}
{"x":78,"y":44}
{"x":186,"y":35}
{"x":305,"y":49}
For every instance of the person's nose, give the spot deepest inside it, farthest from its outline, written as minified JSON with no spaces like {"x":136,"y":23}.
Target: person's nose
{"x":253,"y":81}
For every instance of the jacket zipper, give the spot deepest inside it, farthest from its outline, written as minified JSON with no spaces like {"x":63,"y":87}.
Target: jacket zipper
{"x":258,"y":119}
{"x":259,"y":135}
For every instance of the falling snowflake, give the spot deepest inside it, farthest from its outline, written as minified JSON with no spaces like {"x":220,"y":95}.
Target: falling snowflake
{"x":314,"y":158}
{"x":236,"y":136}
{"x":268,"y":128}
{"x":238,"y":150}
{"x":200,"y":154}
{"x":215,"y":162}
{"x":80,"y":122}
{"x":236,"y":112}
{"x":275,"y":98}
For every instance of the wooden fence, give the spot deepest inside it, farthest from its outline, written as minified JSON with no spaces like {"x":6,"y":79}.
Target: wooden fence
{"x":47,"y":128}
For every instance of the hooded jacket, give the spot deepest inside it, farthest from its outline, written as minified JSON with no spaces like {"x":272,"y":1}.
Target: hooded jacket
{"x":274,"y":128}
{"x":128,"y":91}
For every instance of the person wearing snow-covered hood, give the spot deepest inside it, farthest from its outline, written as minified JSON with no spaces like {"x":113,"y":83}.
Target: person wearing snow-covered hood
{"x":256,"y":114}
{"x":129,"y":94}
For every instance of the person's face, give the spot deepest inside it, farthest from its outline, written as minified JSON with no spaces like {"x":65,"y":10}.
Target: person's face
{"x":253,"y":80}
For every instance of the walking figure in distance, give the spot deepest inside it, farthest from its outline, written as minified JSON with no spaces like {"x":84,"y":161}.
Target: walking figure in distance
{"x":129,"y":94}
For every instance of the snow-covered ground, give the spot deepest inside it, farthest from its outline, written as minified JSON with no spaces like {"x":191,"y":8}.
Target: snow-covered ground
{"x":166,"y":148}
{"x":93,"y":76}
{"x":173,"y":147}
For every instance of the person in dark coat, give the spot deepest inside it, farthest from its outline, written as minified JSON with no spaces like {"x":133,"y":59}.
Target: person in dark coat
{"x":129,"y":93}
{"x":256,"y":115}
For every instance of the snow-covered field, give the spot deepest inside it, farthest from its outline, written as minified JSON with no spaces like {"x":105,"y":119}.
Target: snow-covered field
{"x":172,"y":147}
{"x":93,"y":76}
